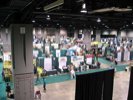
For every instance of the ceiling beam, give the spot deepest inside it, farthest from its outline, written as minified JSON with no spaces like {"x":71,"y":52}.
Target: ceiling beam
{"x":84,"y":15}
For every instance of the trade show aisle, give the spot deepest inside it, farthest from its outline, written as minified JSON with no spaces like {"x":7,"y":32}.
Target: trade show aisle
{"x":119,"y":67}
{"x":66,"y":90}
{"x":59,"y":78}
{"x":63,"y":77}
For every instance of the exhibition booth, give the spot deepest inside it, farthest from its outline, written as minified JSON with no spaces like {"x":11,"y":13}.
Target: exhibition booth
{"x":7,"y":66}
{"x":55,"y":53}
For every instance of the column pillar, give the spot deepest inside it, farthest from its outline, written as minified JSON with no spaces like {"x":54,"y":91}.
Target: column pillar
{"x":57,"y":37}
{"x":98,"y":35}
{"x":75,"y":34}
{"x":5,"y":36}
{"x":44,"y":39}
{"x":87,"y":39}
{"x":21,"y":47}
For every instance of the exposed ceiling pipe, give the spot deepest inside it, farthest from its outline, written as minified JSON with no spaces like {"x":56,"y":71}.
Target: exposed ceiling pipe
{"x":27,"y":5}
{"x":80,"y":15}
{"x":116,"y":9}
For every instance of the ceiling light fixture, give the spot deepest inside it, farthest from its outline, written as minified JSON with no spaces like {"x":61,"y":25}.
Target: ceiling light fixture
{"x":98,"y":20}
{"x":33,"y":21}
{"x":83,"y":10}
{"x":48,"y":17}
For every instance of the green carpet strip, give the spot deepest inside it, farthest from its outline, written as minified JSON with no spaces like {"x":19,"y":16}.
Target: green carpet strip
{"x":119,"y":67}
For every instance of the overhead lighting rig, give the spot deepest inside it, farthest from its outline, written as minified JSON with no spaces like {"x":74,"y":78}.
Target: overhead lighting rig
{"x":83,"y":10}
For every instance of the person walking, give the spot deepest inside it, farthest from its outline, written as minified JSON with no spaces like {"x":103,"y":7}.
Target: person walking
{"x":37,"y":77}
{"x":44,"y":79}
{"x":44,"y":84}
{"x":3,"y":75}
{"x":72,"y":71}
{"x":8,"y":90}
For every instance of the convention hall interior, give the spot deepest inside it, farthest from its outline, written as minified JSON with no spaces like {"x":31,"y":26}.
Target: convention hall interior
{"x":66,"y":49}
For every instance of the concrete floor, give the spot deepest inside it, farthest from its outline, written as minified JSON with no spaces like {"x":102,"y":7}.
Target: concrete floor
{"x":66,"y":90}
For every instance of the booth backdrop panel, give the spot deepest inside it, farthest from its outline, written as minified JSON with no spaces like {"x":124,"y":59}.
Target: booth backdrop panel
{"x":95,"y":86}
{"x":68,"y":60}
{"x":55,"y":62}
{"x":54,"y":53}
{"x":40,"y":61}
{"x":76,"y":60}
{"x":130,"y":91}
{"x":63,"y":53}
{"x":58,"y":53}
{"x":62,"y":62}
{"x":122,"y":56}
{"x":48,"y":64}
{"x":131,"y":55}
{"x":40,"y":53}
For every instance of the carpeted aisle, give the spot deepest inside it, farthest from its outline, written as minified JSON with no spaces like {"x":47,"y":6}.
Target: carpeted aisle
{"x":64,"y":77}
{"x":119,"y":67}
{"x":59,"y":78}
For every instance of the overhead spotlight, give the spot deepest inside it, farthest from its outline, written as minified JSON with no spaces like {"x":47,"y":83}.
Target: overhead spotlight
{"x":48,"y":17}
{"x":83,"y":10}
{"x":132,"y":22}
{"x":98,"y":20}
{"x":57,"y":23}
{"x":126,"y":25}
{"x":33,"y":21}
{"x":106,"y":26}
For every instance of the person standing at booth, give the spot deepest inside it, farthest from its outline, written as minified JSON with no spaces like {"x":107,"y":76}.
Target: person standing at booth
{"x":72,"y":71}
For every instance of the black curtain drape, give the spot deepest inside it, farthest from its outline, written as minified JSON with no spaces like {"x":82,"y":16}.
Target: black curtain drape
{"x":95,"y":86}
{"x":130,"y":91}
{"x":108,"y":85}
